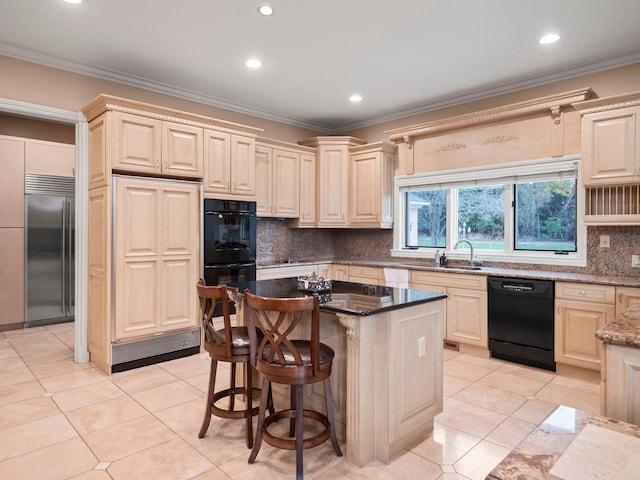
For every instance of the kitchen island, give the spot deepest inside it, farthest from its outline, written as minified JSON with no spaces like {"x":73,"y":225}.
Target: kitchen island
{"x":387,"y":371}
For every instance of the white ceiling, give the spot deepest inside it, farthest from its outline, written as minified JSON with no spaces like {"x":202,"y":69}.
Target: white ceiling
{"x":404,"y":56}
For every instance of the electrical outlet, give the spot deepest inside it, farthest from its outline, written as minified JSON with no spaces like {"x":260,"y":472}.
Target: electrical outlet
{"x":605,"y":241}
{"x":422,"y":348}
{"x":635,"y":260}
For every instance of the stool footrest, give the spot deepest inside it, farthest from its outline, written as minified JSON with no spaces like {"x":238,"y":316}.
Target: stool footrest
{"x":290,"y":444}
{"x":226,"y":412}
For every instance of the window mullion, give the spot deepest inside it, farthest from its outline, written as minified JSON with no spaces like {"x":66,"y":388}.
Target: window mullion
{"x":509,"y":218}
{"x":452,"y":217}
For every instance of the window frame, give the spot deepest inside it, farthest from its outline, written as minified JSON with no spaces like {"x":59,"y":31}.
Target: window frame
{"x":508,"y":173}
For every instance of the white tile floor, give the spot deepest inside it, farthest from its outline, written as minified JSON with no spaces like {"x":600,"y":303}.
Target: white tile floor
{"x":62,"y":420}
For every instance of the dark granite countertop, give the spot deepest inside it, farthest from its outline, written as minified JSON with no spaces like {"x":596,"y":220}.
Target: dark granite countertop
{"x":613,"y":280}
{"x":346,"y":297}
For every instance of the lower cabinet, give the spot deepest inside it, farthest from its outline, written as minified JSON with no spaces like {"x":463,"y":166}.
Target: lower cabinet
{"x":321,"y":270}
{"x":622,"y":385}
{"x":581,"y":310}
{"x":625,"y":297}
{"x":466,"y":305}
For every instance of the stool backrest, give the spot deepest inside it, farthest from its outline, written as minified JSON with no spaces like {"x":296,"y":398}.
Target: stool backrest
{"x":209,"y":297}
{"x":277,"y":319}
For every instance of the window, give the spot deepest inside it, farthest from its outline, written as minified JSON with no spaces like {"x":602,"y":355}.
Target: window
{"x":524,"y":212}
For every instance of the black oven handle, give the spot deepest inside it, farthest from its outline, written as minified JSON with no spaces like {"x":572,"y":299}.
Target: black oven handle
{"x":230,"y":265}
{"x":230,"y":214}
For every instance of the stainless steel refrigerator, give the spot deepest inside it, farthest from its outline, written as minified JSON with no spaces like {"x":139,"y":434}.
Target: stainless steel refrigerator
{"x":49,"y":249}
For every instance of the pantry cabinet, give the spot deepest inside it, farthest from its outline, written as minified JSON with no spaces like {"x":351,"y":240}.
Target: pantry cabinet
{"x":277,"y":179}
{"x":580,"y":310}
{"x":12,"y":181}
{"x":156,"y":256}
{"x":229,"y":165}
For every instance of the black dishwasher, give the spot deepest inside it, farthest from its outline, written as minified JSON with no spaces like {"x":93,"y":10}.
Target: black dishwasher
{"x":521,"y":320}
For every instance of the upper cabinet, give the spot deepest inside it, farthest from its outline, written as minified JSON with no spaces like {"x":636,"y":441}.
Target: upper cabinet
{"x":333,"y":178}
{"x":229,"y":168}
{"x":278,"y":178}
{"x":371,"y":182}
{"x":611,"y":159}
{"x":126,"y":136}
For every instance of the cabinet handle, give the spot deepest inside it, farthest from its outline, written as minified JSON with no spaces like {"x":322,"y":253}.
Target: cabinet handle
{"x":581,"y":292}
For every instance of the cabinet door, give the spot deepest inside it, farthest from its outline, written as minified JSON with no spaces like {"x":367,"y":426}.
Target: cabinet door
{"x":50,"y":159}
{"x":263,"y":181}
{"x":181,"y":150}
{"x":307,"y":213}
{"x":135,"y":143}
{"x":217,"y":162}
{"x":467,"y":316}
{"x":11,"y":183}
{"x":137,"y":258}
{"x":610,"y":152}
{"x":625,"y":297}
{"x":243,"y":171}
{"x":575,"y":327}
{"x":180,"y":239}
{"x":340,"y":272}
{"x":285,"y":188}
{"x":333,"y":185}
{"x":622,"y":388}
{"x":365,"y":189}
{"x":12,"y":276}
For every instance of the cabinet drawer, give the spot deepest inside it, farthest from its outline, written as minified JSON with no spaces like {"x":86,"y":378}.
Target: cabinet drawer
{"x":586,"y":292}
{"x":369,"y":273}
{"x":455,"y":280}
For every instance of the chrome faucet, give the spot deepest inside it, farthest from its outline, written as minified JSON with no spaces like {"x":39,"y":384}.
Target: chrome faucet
{"x":472,"y":259}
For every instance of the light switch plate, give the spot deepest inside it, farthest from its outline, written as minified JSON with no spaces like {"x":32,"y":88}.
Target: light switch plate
{"x":605,"y":241}
{"x":635,"y":260}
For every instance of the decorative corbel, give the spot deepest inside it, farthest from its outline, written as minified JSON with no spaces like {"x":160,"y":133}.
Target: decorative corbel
{"x":408,"y":140}
{"x":348,"y":322}
{"x":555,"y":114}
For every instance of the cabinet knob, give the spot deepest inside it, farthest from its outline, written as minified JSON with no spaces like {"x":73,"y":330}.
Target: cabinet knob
{"x":581,"y":292}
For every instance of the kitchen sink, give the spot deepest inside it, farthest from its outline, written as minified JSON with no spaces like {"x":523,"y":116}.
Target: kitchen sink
{"x":463,"y":267}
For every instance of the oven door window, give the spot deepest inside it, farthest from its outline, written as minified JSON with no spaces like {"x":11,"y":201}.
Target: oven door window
{"x":229,"y":238}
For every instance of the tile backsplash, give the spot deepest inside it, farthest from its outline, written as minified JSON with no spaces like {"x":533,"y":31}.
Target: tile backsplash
{"x":278,"y":243}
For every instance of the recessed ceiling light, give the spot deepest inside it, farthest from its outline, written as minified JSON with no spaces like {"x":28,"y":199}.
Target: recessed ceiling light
{"x":253,"y":63}
{"x":266,"y":10}
{"x":551,"y":38}
{"x":355,"y":98}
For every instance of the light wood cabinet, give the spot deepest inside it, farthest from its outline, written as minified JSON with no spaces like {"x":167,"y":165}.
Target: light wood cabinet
{"x":230,"y":170}
{"x":12,"y":277}
{"x":371,"y":181}
{"x":156,"y":256}
{"x":611,"y":148}
{"x":625,"y":297}
{"x":277,"y":181}
{"x":48,"y":158}
{"x":11,"y":183}
{"x":127,"y":136}
{"x":622,"y":387}
{"x":149,"y":146}
{"x":340,"y":272}
{"x":308,"y":188}
{"x":333,"y":178}
{"x":581,"y":309}
{"x":364,"y":274}
{"x":321,"y":270}
{"x":466,"y":305}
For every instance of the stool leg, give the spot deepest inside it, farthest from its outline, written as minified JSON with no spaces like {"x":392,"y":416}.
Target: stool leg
{"x":232,"y":397}
{"x":299,"y":432}
{"x":266,"y":385}
{"x":248,"y":389}
{"x":292,"y":406}
{"x":207,"y":413}
{"x":329,"y":406}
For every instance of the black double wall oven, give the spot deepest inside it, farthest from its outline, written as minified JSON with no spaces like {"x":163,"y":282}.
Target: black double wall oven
{"x":229,"y":241}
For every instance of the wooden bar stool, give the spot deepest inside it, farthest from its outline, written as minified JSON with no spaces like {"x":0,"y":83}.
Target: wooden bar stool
{"x":282,"y":357}
{"x":228,"y":344}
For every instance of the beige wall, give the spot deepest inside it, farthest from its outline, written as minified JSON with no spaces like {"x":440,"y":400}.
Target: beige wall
{"x":36,"y":129}
{"x":29,"y":82}
{"x":605,"y":84}
{"x":42,"y":85}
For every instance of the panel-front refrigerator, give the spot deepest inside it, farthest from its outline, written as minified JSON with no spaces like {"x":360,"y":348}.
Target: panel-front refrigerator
{"x":49,"y":249}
